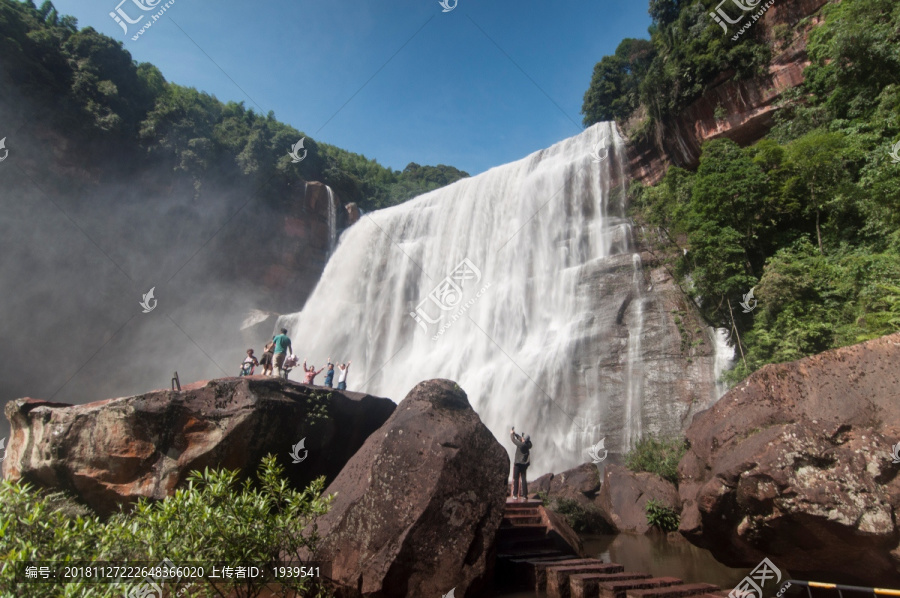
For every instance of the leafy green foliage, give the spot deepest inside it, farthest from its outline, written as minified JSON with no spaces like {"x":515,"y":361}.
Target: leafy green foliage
{"x":661,"y":516}
{"x":659,"y":455}
{"x":808,"y":216}
{"x":582,"y":519}
{"x":686,"y":52}
{"x":90,"y":86}
{"x":614,"y":91}
{"x":213,"y":520}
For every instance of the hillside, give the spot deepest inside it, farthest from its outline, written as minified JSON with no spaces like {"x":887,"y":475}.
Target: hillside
{"x":766,"y":159}
{"x":100,"y":96}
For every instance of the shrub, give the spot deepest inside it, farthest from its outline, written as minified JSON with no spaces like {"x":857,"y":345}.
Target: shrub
{"x":584,"y":520}
{"x":661,"y":516}
{"x":657,"y":455}
{"x":214,"y":520}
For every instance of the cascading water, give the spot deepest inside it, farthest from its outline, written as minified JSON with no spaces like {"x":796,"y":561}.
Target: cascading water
{"x":635,"y":378}
{"x":724,"y":357}
{"x":492,"y":282}
{"x":332,"y":221}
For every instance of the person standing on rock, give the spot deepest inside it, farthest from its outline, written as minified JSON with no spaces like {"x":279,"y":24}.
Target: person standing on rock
{"x":282,"y":349}
{"x":249,"y":363}
{"x":311,"y":373}
{"x":523,"y":460}
{"x":268,"y":359}
{"x":329,"y":375}
{"x":342,"y":379}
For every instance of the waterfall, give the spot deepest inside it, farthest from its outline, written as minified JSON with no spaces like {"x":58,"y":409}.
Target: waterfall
{"x":492,"y":282}
{"x":332,"y":220}
{"x":724,"y":357}
{"x":634,"y":380}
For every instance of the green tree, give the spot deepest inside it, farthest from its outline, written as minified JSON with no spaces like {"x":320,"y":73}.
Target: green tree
{"x":819,"y":174}
{"x":213,"y":520}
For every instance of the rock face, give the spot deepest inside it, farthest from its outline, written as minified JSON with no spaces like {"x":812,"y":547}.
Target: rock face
{"x":292,"y":259}
{"x":581,"y":484}
{"x":111,"y":452}
{"x":795,"y":464}
{"x":750,"y":104}
{"x":625,"y":494}
{"x":638,"y":310}
{"x":419,"y":506}
{"x":616,"y":505}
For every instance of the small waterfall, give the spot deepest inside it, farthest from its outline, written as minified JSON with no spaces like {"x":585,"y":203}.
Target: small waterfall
{"x":332,"y":220}
{"x":634,"y":370}
{"x":724,"y":357}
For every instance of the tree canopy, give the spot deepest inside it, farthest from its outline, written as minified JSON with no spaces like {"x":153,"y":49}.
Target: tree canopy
{"x":97,"y":91}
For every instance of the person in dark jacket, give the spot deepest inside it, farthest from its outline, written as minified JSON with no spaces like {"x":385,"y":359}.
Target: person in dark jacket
{"x":523,"y":459}
{"x":329,"y":375}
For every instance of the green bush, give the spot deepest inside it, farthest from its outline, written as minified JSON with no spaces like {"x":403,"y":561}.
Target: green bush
{"x":584,"y":520}
{"x":661,"y":516}
{"x":657,"y":455}
{"x":214,"y":520}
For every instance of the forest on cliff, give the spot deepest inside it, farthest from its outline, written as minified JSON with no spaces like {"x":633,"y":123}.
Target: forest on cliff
{"x":91,"y":89}
{"x":808,"y":216}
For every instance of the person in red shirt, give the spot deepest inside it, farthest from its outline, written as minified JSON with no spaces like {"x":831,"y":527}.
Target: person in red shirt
{"x":311,"y":373}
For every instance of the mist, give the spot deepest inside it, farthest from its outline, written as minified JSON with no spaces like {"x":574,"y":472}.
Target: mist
{"x":86,"y":233}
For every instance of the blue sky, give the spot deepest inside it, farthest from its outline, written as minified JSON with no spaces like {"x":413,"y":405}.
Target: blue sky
{"x":400,"y":82}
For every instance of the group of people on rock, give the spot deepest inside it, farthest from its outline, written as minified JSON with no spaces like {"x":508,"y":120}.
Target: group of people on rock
{"x":279,"y":355}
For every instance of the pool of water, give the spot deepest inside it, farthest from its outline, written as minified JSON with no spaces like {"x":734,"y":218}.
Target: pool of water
{"x":660,"y":557}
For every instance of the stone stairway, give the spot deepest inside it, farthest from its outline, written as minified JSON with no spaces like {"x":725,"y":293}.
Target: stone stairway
{"x":530,"y":555}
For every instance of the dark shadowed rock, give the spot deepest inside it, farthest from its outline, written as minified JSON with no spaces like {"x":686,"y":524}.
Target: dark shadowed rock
{"x":625,"y":494}
{"x":794,"y":464}
{"x":418,"y":507}
{"x":111,"y":452}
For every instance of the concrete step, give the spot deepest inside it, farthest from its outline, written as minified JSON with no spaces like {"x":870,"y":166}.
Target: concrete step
{"x":522,"y":531}
{"x":517,"y":570}
{"x":679,"y":591}
{"x":520,"y":519}
{"x":538,"y":555}
{"x":522,"y":513}
{"x":586,"y":585}
{"x":558,"y":575}
{"x":540,"y":570}
{"x":618,"y":589}
{"x":525,"y":546}
{"x":523,"y":506}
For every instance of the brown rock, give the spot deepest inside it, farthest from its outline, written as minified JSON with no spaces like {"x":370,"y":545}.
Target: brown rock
{"x":111,"y":452}
{"x":625,"y":494}
{"x":418,"y":507}
{"x":794,"y":464}
{"x":581,"y":484}
{"x":353,"y":213}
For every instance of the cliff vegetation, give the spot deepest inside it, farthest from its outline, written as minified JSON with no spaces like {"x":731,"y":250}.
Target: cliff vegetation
{"x":808,"y":217}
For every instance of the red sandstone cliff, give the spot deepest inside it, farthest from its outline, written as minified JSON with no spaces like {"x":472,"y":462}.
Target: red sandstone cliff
{"x":750,"y":104}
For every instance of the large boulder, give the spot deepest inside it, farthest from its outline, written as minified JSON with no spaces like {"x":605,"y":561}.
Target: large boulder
{"x":625,"y":494}
{"x":581,"y":484}
{"x":418,"y":507}
{"x":109,"y":453}
{"x":795,"y":464}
